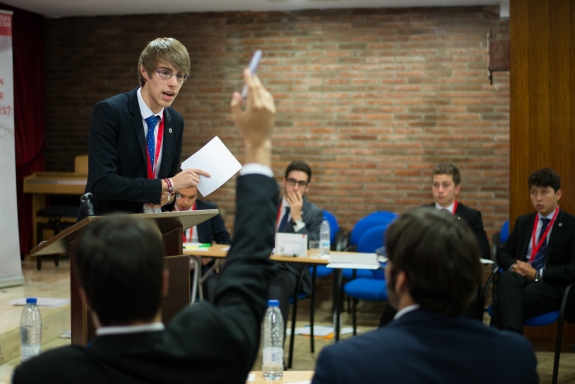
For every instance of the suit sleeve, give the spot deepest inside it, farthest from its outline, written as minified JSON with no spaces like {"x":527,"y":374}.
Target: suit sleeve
{"x":562,"y":271}
{"x":507,"y":253}
{"x":326,"y":369}
{"x":476,"y":225}
{"x":219,"y":232}
{"x":312,"y":223}
{"x":240,"y":299}
{"x":104,"y":181}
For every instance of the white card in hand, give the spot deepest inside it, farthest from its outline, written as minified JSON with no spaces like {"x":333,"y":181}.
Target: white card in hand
{"x":216,"y":159}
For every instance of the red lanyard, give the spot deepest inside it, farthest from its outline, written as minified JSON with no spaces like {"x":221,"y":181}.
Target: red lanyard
{"x":152,"y":172}
{"x":535,"y":248}
{"x":189,"y":230}
{"x":455,"y":204}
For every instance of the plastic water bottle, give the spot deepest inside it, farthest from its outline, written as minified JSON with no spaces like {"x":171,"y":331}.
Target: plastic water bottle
{"x":30,"y":330}
{"x":273,"y":338}
{"x":324,"y":243}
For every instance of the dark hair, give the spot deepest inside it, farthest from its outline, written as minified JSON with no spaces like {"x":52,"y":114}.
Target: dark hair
{"x":447,"y":169}
{"x":545,"y":177}
{"x":119,"y":264}
{"x":440,"y":257}
{"x":299,"y":166}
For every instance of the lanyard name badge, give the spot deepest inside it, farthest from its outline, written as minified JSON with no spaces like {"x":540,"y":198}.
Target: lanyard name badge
{"x":153,"y":171}
{"x":536,"y":247}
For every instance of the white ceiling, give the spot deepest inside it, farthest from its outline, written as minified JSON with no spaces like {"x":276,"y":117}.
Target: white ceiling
{"x":65,"y":8}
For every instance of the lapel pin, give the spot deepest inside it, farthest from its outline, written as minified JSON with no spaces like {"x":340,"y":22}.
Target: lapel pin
{"x":560,"y":224}
{"x":170,"y":130}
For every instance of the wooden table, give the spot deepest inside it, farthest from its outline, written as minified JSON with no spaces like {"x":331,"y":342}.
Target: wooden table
{"x":288,"y":377}
{"x":40,"y":184}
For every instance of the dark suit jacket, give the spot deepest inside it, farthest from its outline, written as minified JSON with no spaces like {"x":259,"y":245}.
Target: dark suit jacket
{"x":560,"y":252}
{"x":213,"y":229}
{"x":312,"y":216}
{"x":473,"y":218}
{"x":117,"y":164}
{"x":205,"y":343}
{"x":426,"y":347}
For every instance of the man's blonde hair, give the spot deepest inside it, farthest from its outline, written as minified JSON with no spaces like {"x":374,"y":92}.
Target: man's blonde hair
{"x":164,"y":50}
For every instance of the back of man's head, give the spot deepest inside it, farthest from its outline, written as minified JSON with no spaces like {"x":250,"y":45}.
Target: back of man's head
{"x":439,"y":256}
{"x":119,"y":265}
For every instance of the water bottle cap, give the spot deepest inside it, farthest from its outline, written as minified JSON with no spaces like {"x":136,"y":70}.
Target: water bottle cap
{"x":273,"y":303}
{"x":31,"y":300}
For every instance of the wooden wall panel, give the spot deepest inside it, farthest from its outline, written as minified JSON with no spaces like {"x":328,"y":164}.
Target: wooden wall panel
{"x":542,"y":126}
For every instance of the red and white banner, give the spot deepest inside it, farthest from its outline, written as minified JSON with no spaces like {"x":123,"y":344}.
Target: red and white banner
{"x":11,"y":270}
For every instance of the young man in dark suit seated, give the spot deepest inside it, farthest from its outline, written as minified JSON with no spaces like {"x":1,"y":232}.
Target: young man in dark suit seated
{"x":122,"y":280}
{"x":212,"y":230}
{"x":445,"y":186}
{"x":538,"y":258}
{"x":431,"y":276}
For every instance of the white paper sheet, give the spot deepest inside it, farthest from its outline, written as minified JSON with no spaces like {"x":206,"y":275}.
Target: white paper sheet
{"x":352,"y":266}
{"x":216,"y":159}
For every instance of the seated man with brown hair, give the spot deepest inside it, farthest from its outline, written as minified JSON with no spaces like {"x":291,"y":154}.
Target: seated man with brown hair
{"x":431,"y":276}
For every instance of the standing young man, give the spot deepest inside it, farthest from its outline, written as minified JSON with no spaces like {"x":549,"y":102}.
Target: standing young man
{"x":445,"y":186}
{"x":210,"y":342}
{"x":538,"y":258}
{"x":135,"y":138}
{"x":295,"y":215}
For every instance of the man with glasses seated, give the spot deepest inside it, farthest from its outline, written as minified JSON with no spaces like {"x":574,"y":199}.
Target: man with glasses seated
{"x":295,"y":215}
{"x":135,"y":138}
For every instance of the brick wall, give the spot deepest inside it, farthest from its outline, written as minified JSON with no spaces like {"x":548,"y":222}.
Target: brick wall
{"x":370,"y":98}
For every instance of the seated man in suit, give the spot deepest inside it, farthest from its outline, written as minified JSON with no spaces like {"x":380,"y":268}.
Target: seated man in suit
{"x":295,"y":215}
{"x":122,"y":279}
{"x":209,"y":231}
{"x":445,"y":186}
{"x":432,"y":274}
{"x":538,"y":258}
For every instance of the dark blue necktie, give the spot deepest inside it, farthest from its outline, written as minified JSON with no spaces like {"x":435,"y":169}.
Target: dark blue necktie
{"x":540,"y":255}
{"x":284,"y":221}
{"x":151,"y":121}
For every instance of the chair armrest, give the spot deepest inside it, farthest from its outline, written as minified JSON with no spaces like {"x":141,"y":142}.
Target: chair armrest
{"x":488,"y":282}
{"x":495,"y":244}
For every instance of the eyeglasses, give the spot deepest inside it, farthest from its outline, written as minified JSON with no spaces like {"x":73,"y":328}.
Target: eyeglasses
{"x":292,"y":182}
{"x":167,"y":75}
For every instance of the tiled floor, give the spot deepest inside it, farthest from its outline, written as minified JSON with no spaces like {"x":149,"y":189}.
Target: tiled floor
{"x":54,"y":282}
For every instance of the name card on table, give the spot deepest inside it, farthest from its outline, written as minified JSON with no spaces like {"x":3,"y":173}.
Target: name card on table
{"x":291,"y":244}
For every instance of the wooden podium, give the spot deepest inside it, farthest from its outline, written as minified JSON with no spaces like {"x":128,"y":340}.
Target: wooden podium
{"x":171,"y":225}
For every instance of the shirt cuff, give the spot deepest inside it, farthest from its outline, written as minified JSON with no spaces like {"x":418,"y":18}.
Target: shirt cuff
{"x":541,"y":274}
{"x":298,"y":225}
{"x":256,"y":169}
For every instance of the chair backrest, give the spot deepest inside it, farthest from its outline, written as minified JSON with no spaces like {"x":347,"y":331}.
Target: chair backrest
{"x":370,"y":221}
{"x":504,"y":234}
{"x":333,"y":226}
{"x":370,"y":241}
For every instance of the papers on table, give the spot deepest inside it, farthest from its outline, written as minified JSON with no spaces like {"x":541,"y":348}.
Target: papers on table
{"x":486,"y":261}
{"x":196,"y":246}
{"x":291,"y":244}
{"x":216,"y":159}
{"x":353,"y":260}
{"x":42,"y":302}
{"x":321,"y":331}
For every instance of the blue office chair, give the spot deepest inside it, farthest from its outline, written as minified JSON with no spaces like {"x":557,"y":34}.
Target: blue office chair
{"x":368,"y":288}
{"x":369,"y":221}
{"x":566,"y":312}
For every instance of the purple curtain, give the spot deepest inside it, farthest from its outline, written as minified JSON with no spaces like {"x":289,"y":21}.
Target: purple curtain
{"x":28,"y":49}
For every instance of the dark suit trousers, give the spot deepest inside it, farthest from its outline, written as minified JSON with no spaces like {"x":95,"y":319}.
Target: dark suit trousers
{"x":281,"y":288}
{"x":518,"y":298}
